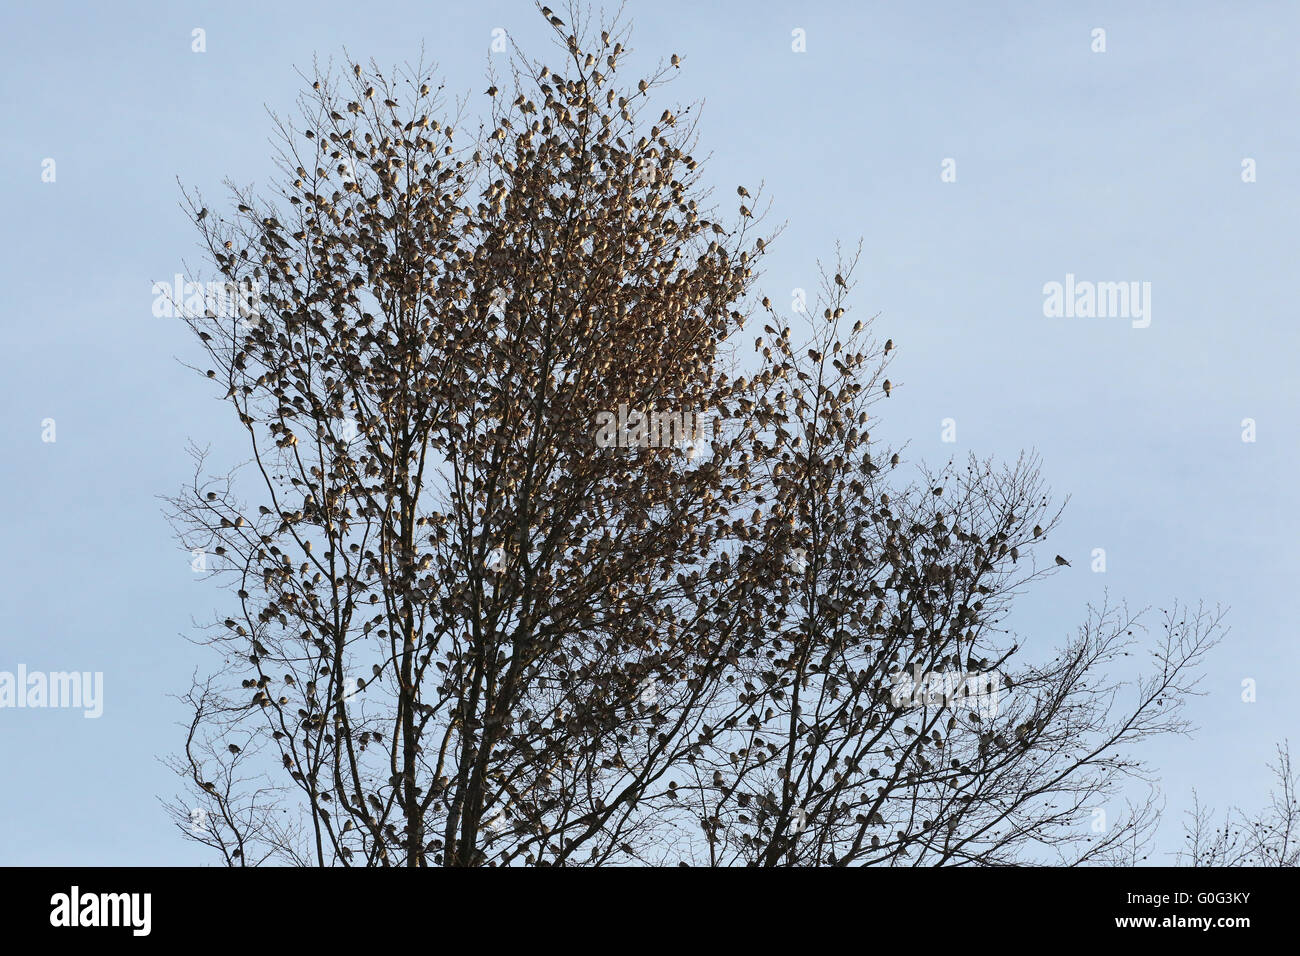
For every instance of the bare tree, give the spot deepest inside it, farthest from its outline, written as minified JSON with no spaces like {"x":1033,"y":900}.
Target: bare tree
{"x":1268,"y":837}
{"x":536,"y":563}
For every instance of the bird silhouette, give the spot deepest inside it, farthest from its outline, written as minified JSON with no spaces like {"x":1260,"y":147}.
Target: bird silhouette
{"x":1061,"y":561}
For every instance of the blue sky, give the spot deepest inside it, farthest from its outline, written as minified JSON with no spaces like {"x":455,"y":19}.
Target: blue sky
{"x":1117,"y":166}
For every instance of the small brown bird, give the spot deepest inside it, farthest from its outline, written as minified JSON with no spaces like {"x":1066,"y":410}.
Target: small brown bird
{"x":742,"y":192}
{"x":1062,"y":562}
{"x":1037,"y":531}
{"x":889,"y":346}
{"x":888,"y":388}
{"x":839,"y":280}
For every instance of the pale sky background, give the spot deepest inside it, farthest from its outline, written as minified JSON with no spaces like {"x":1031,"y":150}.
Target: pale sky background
{"x":1117,"y":166}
